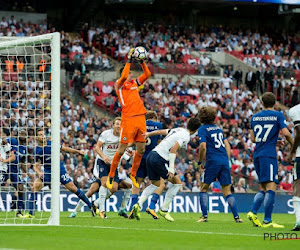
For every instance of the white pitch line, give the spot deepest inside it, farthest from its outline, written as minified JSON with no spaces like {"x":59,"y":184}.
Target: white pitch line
{"x":165,"y":230}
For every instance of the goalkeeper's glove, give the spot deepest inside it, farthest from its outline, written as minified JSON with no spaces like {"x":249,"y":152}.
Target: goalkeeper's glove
{"x":130,"y":55}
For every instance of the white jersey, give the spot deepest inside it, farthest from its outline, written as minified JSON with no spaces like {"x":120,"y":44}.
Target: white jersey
{"x":110,"y":144}
{"x":294,"y":113}
{"x":4,"y":152}
{"x":180,"y":135}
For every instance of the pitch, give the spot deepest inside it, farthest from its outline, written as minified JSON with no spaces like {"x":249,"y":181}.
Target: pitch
{"x":86,"y":232}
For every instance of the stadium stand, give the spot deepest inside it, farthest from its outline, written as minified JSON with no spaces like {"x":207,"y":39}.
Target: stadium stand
{"x":174,"y":99}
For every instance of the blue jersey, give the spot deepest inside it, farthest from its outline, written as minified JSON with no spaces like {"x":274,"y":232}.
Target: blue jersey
{"x":43,"y":154}
{"x":215,"y":146}
{"x":15,"y":148}
{"x":266,"y":126}
{"x":152,"y":142}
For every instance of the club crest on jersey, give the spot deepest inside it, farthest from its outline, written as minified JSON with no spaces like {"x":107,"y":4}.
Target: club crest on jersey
{"x":124,"y":138}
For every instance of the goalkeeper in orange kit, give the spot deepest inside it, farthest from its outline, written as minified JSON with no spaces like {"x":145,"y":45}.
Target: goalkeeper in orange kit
{"x":133,"y":121}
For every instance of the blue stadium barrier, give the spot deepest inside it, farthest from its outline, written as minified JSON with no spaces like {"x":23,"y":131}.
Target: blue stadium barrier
{"x":183,"y":202}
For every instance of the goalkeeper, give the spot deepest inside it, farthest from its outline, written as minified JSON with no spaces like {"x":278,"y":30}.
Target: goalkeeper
{"x":133,"y":121}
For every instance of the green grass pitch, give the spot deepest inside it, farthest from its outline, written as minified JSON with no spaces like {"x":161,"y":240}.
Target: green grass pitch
{"x":86,"y":232}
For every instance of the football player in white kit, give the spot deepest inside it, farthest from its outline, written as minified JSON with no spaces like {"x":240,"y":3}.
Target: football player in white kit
{"x":106,"y":147}
{"x":294,"y":113}
{"x":6,"y":156}
{"x":160,"y":164}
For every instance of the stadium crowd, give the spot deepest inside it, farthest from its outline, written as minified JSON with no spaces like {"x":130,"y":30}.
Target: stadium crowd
{"x":174,"y":100}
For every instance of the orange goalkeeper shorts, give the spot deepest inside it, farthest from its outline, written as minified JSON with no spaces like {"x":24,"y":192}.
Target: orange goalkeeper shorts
{"x":132,"y":129}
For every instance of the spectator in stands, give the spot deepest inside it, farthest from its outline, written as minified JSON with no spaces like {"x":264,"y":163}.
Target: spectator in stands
{"x":250,"y":79}
{"x":238,"y":76}
{"x":106,"y":88}
{"x":108,"y":101}
{"x":226,"y":81}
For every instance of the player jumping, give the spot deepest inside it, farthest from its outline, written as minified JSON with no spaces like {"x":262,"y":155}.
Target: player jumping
{"x":160,"y":164}
{"x":265,"y":127}
{"x":152,"y":125}
{"x":133,"y":124}
{"x":294,"y":113}
{"x":216,"y":149}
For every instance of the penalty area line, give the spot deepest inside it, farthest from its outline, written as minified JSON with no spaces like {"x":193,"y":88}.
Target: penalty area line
{"x":164,"y":230}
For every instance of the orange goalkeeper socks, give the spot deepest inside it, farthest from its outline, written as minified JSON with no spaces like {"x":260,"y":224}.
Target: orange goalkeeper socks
{"x":114,"y":164}
{"x":136,"y":163}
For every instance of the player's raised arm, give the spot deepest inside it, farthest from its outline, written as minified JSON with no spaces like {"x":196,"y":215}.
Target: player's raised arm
{"x":142,"y":78}
{"x":125,"y":71}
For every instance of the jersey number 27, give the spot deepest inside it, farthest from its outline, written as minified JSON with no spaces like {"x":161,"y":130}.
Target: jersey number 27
{"x":258,"y":130}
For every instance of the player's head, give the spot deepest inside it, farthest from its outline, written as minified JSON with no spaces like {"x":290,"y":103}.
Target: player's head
{"x":193,"y":125}
{"x":268,"y":99}
{"x":151,"y":115}
{"x":117,"y":125}
{"x":207,"y":115}
{"x":130,"y":75}
{"x":40,"y":135}
{"x":22,"y":136}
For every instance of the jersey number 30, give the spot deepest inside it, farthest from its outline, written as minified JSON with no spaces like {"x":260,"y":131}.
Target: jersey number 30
{"x":218,"y":140}
{"x":259,"y":128}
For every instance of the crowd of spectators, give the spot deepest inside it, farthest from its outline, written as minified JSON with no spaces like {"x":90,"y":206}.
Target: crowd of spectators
{"x":26,"y":103}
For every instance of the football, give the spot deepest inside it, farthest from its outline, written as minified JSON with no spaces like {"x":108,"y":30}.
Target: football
{"x":140,"y":53}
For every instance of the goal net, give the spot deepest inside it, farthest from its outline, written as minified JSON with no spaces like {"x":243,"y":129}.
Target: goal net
{"x":30,"y":130}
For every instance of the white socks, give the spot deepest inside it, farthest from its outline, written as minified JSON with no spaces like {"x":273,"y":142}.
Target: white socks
{"x":79,"y":205}
{"x":146,"y":193}
{"x":102,"y":198}
{"x":126,"y":197}
{"x":170,"y":194}
{"x":296,"y":204}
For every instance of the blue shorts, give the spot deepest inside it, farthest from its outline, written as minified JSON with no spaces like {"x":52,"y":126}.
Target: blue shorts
{"x":296,"y":169}
{"x":266,"y":169}
{"x":97,"y":181}
{"x":142,"y":170}
{"x":3,"y":177}
{"x":14,"y":178}
{"x":64,"y":177}
{"x":213,"y":172}
{"x":156,"y":166}
{"x":104,"y":170}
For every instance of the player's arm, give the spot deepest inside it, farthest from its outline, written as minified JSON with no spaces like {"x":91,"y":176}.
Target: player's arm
{"x":296,"y":143}
{"x":72,"y":150}
{"x":156,"y":132}
{"x":99,"y":151}
{"x":288,"y":136}
{"x":172,"y":157}
{"x":228,"y":148}
{"x":142,"y":78}
{"x":123,"y":77}
{"x":11,"y":158}
{"x":252,"y":137}
{"x":202,"y":151}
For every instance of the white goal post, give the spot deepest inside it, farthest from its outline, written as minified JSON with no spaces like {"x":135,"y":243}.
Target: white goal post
{"x":36,"y":47}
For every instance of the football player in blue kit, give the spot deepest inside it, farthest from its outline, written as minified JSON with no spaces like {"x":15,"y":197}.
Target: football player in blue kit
{"x":152,"y":125}
{"x":215,"y":147}
{"x":42,"y":154}
{"x":20,"y":151}
{"x":265,"y":128}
